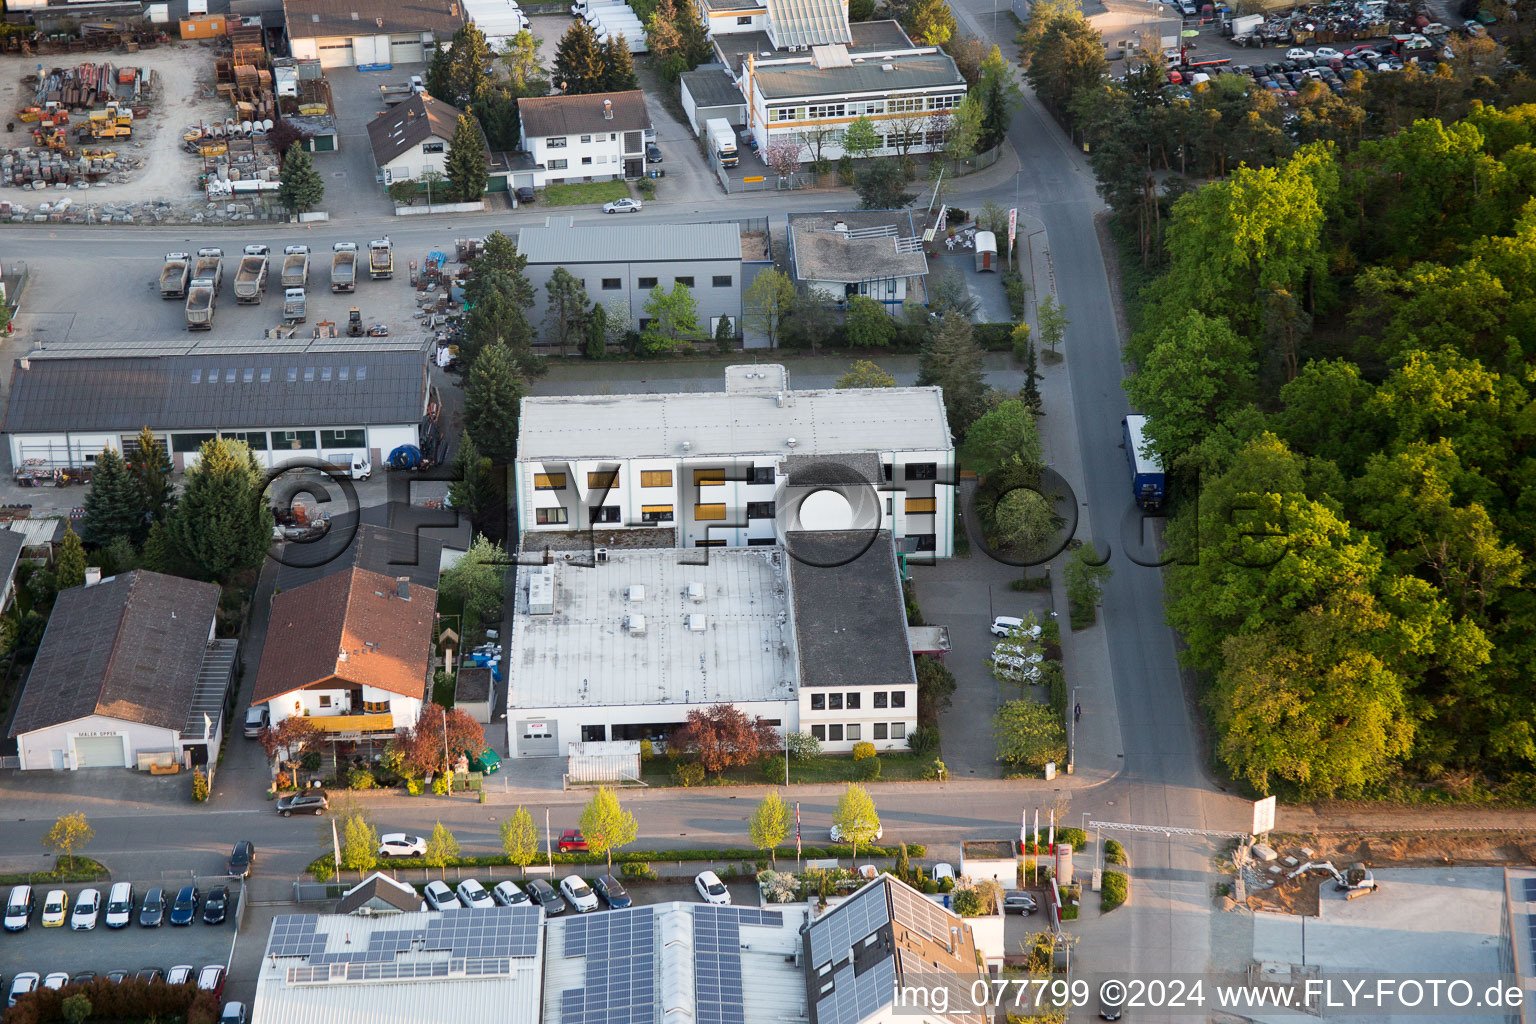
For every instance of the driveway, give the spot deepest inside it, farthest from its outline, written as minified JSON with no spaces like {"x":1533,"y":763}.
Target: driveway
{"x":350,"y":186}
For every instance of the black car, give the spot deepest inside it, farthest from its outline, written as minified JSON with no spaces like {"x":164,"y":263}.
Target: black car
{"x":1019,"y":902}
{"x":152,"y":910}
{"x":652,"y":153}
{"x":119,"y":976}
{"x":612,"y":892}
{"x":185,"y":907}
{"x":216,"y":905}
{"x":149,"y":974}
{"x":242,"y":859}
{"x":544,"y":894}
{"x":312,"y":802}
{"x":83,"y":978}
{"x":524,"y":194}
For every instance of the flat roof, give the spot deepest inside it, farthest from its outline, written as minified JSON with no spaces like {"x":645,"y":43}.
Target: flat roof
{"x":583,"y":655}
{"x":850,"y":618}
{"x":823,"y":253}
{"x":867,"y":36}
{"x":865,"y":74}
{"x":630,"y":243}
{"x":1142,"y":455}
{"x":722,"y":425}
{"x":713,"y":88}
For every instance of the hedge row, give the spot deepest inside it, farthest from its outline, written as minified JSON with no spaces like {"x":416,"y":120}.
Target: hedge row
{"x":994,"y":337}
{"x":119,"y":1001}
{"x":1114,"y":888}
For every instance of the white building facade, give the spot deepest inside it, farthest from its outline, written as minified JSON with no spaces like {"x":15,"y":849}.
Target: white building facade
{"x":596,"y":137}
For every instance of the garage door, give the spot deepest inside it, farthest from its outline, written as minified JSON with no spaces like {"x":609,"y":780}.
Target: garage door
{"x":336,"y":53}
{"x":406,"y":53}
{"x":99,"y":751}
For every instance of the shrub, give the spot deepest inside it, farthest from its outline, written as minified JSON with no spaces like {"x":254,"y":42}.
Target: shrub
{"x":1032,"y":583}
{"x":360,"y":778}
{"x":639,"y":872}
{"x":689,"y":774}
{"x":1114,"y":890}
{"x":1076,"y":836}
{"x":647,"y":750}
{"x":199,"y":785}
{"x":310,"y":762}
{"x":323,"y":869}
{"x":440,"y":785}
{"x":936,"y":771}
{"x":1013,"y":285}
{"x":863,"y":749}
{"x":413,"y":787}
{"x":869,"y":769}
{"x":1050,"y":632}
{"x":993,"y":337}
{"x":923,"y":740}
{"x":777,"y":887}
{"x":773,"y":768}
{"x":967,"y":902}
{"x":1114,"y":853}
{"x":804,"y":747}
{"x":946,"y":885}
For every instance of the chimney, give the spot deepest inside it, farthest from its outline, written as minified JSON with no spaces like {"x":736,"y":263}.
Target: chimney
{"x":92,"y":575}
{"x":607,"y":110}
{"x":26,"y":364}
{"x":403,"y":588}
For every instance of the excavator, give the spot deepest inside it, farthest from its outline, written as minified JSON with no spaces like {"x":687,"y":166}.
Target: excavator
{"x":1356,"y":880}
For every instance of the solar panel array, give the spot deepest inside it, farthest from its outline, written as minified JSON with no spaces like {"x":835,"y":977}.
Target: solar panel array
{"x":1530,"y":923}
{"x":472,"y":933}
{"x":294,"y":935}
{"x":1530,"y":889}
{"x":620,"y":984}
{"x":922,"y":914}
{"x":717,"y":989}
{"x":855,"y":997}
{"x":848,"y":923}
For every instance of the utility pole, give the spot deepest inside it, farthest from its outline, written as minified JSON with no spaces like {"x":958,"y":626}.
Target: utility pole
{"x":549,"y":854}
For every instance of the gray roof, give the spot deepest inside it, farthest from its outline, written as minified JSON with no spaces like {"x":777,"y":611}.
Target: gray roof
{"x":822,"y":254}
{"x":367,"y":545}
{"x":630,"y":243}
{"x":734,"y":5}
{"x":868,"y":36}
{"x":378,"y":889}
{"x":64,"y":391}
{"x":909,"y":71}
{"x":543,"y":116}
{"x":808,"y":22}
{"x":11,"y":543}
{"x":129,"y":648}
{"x":850,"y":619}
{"x":472,"y":683}
{"x":712,"y":88}
{"x":307,"y":19}
{"x":878,"y":35}
{"x":407,"y":125}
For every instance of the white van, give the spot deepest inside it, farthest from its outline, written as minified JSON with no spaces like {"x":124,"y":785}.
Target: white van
{"x":1005,"y":624}
{"x":119,"y":905}
{"x":18,"y":909}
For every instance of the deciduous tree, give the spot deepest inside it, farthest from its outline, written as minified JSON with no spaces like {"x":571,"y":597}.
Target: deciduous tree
{"x":929,"y":22}
{"x":1006,"y":437}
{"x":868,"y":325}
{"x":520,"y":838}
{"x":477,"y":581}
{"x":723,"y":736}
{"x":857,"y":821}
{"x":674,"y":320}
{"x":69,"y":834}
{"x":291,"y":738}
{"x":769,"y":824}
{"x":442,"y":847}
{"x":767,"y":302}
{"x":606,"y":825}
{"x":864,"y":374}
{"x":567,"y":306}
{"x":1051,"y":319}
{"x":882,"y":186}
{"x":439,"y":729}
{"x":860,"y":139}
{"x":1085,"y":578}
{"x":359,"y":845}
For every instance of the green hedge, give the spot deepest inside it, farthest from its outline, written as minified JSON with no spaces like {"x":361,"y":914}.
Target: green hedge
{"x":994,"y":337}
{"x":1114,"y":853}
{"x":1114,"y":890}
{"x":320,"y":867}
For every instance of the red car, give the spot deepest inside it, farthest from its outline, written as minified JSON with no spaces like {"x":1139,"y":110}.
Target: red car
{"x":211,"y":979}
{"x":572,"y":841}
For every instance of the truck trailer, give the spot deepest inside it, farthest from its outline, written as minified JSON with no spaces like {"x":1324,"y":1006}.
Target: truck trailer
{"x":296,"y":266}
{"x":1147,"y":483}
{"x":344,"y":267}
{"x":251,"y":276}
{"x":175,"y":275}
{"x":202,"y":300}
{"x":722,"y":141}
{"x":381,"y":259}
{"x":209,"y":266}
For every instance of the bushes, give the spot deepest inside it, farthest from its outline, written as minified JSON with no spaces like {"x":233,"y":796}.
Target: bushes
{"x":994,"y":337}
{"x":647,"y":750}
{"x":935,"y":688}
{"x":1013,"y":284}
{"x":199,"y":785}
{"x":909,"y":595}
{"x":639,"y":872}
{"x":1115,"y":890}
{"x":1114,"y":853}
{"x":130,"y":999}
{"x":804,"y":747}
{"x":773,"y":768}
{"x":923,"y":740}
{"x":688,"y":774}
{"x":360,"y":778}
{"x":869,"y":769}
{"x":1031,"y":583}
{"x":967,"y":902}
{"x":1075,"y":836}
{"x":937,"y":771}
{"x":863,"y":749}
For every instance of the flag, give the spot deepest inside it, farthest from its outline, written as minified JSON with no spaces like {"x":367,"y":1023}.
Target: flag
{"x":797,"y":831}
{"x":1023,"y":828}
{"x":1051,"y":843}
{"x":1037,"y":829}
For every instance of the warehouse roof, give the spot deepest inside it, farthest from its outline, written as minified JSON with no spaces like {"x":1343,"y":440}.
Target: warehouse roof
{"x":808,"y":22}
{"x":543,"y":116}
{"x":867,"y":37}
{"x":407,"y":125}
{"x":730,"y":424}
{"x":630,"y":243}
{"x":129,"y":647}
{"x":850,"y":617}
{"x":911,"y":70}
{"x":309,"y":19}
{"x":712,"y":87}
{"x":80,"y":389}
{"x":365,"y":545}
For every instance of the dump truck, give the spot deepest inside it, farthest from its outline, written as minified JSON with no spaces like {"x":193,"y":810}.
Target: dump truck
{"x":202,"y":300}
{"x":296,"y":266}
{"x":295,"y":306}
{"x":175,"y":275}
{"x":399,"y":93}
{"x":209,"y":267}
{"x":344,"y":267}
{"x":251,"y":277}
{"x":381,"y":259}
{"x":722,"y":140}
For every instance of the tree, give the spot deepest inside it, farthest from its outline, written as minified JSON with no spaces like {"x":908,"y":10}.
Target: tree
{"x":300,"y":187}
{"x":769,"y":825}
{"x":579,"y":65}
{"x":782,"y":155}
{"x":1023,"y":519}
{"x":521,"y":56}
{"x":597,"y":332}
{"x":438,"y":83}
{"x":499,"y":318}
{"x":520,"y":838}
{"x":468,"y":61}
{"x":467,"y":167}
{"x":1198,"y":373}
{"x":291,"y":738}
{"x":222,"y":525}
{"x":1032,"y":378}
{"x":1051,"y":318}
{"x":493,"y":389}
{"x":442,"y":847}
{"x":116,"y":506}
{"x":768,"y":300}
{"x":860,"y":139}
{"x":1085,"y":580}
{"x":69,"y":833}
{"x":855,"y":818}
{"x":70,"y":570}
{"x":868,"y":325}
{"x":725,"y":334}
{"x":477,"y":581}
{"x":606,"y":825}
{"x":723,"y":736}
{"x":1028,"y":734}
{"x":151,"y":467}
{"x":674,"y":320}
{"x":676,"y":36}
{"x":500,"y":120}
{"x":439,"y":730}
{"x":404,"y":192}
{"x":567,"y":306}
{"x":76,"y":1008}
{"x":960,"y":130}
{"x":1000,"y":96}
{"x":952,"y":360}
{"x":1064,"y":54}
{"x":882,"y":186}
{"x":618,"y":65}
{"x":1006,"y":437}
{"x":864,"y":374}
{"x":473,"y":490}
{"x":359,"y":845}
{"x":811,"y":320}
{"x":929,"y":22}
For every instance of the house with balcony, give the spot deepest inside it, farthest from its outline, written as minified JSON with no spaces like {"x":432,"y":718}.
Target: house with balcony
{"x":874,"y":253}
{"x":597,"y":137}
{"x":352,"y":652}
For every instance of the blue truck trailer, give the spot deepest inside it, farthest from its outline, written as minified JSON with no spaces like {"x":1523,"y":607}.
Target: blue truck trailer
{"x":1146,"y":467}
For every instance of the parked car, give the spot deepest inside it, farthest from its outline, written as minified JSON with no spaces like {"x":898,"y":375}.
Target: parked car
{"x":652,"y":153}
{"x":711,"y":889}
{"x":525,"y":194}
{"x":119,"y":976}
{"x":56,"y":980}
{"x":152,"y":910}
{"x":184,"y":908}
{"x":612,"y":891}
{"x":1107,"y":1009}
{"x":440,"y":897}
{"x":942,"y":870}
{"x":211,"y":979}
{"x":542,"y":893}
{"x":507,"y":894}
{"x":472,"y":894}
{"x":119,"y":905}
{"x":1017,"y":901}
{"x":1005,"y":624}
{"x":837,"y":833}
{"x":256,"y":718}
{"x":578,"y":893}
{"x":234,"y":1013}
{"x":18,"y":908}
{"x":26,"y":981}
{"x":216,"y":906}
{"x":312,"y":802}
{"x":572,"y":841}
{"x":82,"y":977}
{"x":622,"y":206}
{"x":87,"y":910}
{"x":242,"y":859}
{"x":1297,"y":53}
{"x":149,"y":975}
{"x":399,"y":844}
{"x":181,"y":974}
{"x":55,"y":907}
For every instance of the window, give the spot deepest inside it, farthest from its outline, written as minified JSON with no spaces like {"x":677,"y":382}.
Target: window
{"x":655,"y":478}
{"x":603,"y":481}
{"x":612,"y":284}
{"x":713,"y":542}
{"x":645,"y":282}
{"x":879,"y":730}
{"x":309,"y":374}
{"x":293,"y":374}
{"x":555,"y":142}
{"x":854,"y":732}
{"x":708,"y":512}
{"x":362,"y":373}
{"x":819,"y":731}
{"x":585,"y":139}
{"x":549,"y":481}
{"x":325,"y":700}
{"x":586,"y":161}
{"x":342,"y":371}
{"x":888,"y":505}
{"x":762,"y":474}
{"x":375,"y":707}
{"x":604,"y":513}
{"x":188,"y":442}
{"x":744,"y":20}
{"x":256,"y":440}
{"x":898,"y":730}
{"x":686,"y":282}
{"x":720,"y":281}
{"x":817,"y":112}
{"x":923,"y":541}
{"x":266,"y":375}
{"x":915,"y":506}
{"x":906,"y":105}
{"x":853,"y":702}
{"x":431,"y":147}
{"x":818,"y":702}
{"x":550,"y":516}
{"x":355,"y":438}
{"x":293,"y":439}
{"x":784,"y":113}
{"x":835,"y":733}
{"x":761,"y":542}
{"x":761,"y":510}
{"x":655,"y":513}
{"x":898,"y":698}
{"x":708,"y":477}
{"x":834,"y":702}
{"x":557,"y":165}
{"x":248,"y":376}
{"x":880,"y":698}
{"x":922,"y":471}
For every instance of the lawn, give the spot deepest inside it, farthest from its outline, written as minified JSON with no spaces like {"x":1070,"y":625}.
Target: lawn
{"x":893,"y":768}
{"x":583,"y":193}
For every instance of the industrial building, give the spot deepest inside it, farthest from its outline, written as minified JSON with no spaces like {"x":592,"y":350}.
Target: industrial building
{"x":874,"y":253}
{"x":369,"y":34}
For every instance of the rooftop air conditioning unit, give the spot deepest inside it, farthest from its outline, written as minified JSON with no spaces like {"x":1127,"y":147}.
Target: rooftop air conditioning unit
{"x":635,"y":593}
{"x":696,"y":593}
{"x":697,"y":623}
{"x":635,"y":625}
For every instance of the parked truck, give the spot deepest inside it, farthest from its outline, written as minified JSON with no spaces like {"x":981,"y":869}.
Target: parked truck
{"x":295,"y":306}
{"x":344,"y":267}
{"x":296,"y":266}
{"x":399,"y":93}
{"x":1146,"y":467}
{"x":251,"y":277}
{"x":722,"y":140}
{"x":202,"y":300}
{"x":209,"y":267}
{"x":632,"y":33}
{"x":1242,"y":26}
{"x":381,"y":259}
{"x":175,"y":275}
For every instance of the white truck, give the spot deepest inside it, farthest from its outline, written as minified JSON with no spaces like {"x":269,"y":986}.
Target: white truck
{"x":344,"y":267}
{"x":175,"y":275}
{"x":296,"y":266}
{"x":632,"y":33}
{"x":202,"y":300}
{"x":295,"y":306}
{"x":1243,"y":27}
{"x":722,"y":141}
{"x":251,"y":275}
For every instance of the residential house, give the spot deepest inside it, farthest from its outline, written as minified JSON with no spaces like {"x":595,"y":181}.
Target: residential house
{"x":369,"y":34}
{"x":874,"y":253}
{"x":411,"y":138}
{"x":596,"y":137}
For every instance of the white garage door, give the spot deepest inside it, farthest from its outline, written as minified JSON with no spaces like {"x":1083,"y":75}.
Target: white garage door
{"x":406,"y":53}
{"x":99,"y":751}
{"x":335,"y":53}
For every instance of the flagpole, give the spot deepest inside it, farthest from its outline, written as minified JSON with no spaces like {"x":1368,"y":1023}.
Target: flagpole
{"x":797,"y":836}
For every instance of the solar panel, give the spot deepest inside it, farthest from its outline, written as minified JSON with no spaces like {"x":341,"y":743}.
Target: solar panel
{"x":620,"y":969}
{"x":474,"y":933}
{"x":294,"y":935}
{"x":1530,"y":890}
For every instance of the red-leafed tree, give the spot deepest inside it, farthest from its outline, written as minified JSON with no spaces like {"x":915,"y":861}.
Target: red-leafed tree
{"x":423,"y":747}
{"x":295,"y":736}
{"x":724,"y":737}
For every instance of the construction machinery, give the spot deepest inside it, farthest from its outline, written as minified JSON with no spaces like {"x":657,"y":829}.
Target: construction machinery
{"x":175,"y":275}
{"x":251,"y":275}
{"x":210,"y":266}
{"x":296,"y":266}
{"x":354,"y":323}
{"x":295,"y":306}
{"x":344,"y":267}
{"x":202,"y":300}
{"x":1357,"y":880}
{"x":381,"y":259}
{"x":49,"y":138}
{"x":29,"y":115}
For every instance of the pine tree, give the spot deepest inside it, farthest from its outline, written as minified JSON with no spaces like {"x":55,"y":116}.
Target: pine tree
{"x":151,"y":467}
{"x":1031,"y":377}
{"x":724,"y":335}
{"x":579,"y":64}
{"x":619,"y":66}
{"x":70,"y":568}
{"x":952,"y":360}
{"x":222,"y":525}
{"x":492,"y":390}
{"x":468,"y":58}
{"x":696,"y":46}
{"x":439,"y":84}
{"x":467,"y":166}
{"x":301,"y":187}
{"x":473,"y":491}
{"x":115,"y":507}
{"x":597,"y":331}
